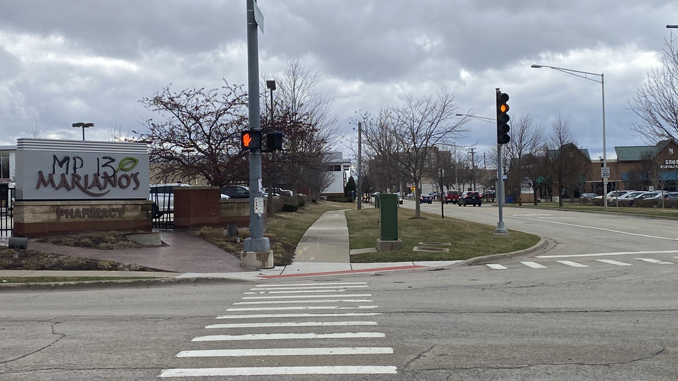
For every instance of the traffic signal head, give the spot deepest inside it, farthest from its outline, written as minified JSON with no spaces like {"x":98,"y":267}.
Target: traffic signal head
{"x":503,"y":118}
{"x":250,"y":139}
{"x":274,"y":140}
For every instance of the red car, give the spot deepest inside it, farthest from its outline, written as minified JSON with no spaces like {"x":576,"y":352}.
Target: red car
{"x":451,"y":196}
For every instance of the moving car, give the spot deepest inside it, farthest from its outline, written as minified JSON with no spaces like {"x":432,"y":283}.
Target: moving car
{"x":470,"y":198}
{"x":587,"y":196}
{"x":425,"y":198}
{"x":451,"y":196}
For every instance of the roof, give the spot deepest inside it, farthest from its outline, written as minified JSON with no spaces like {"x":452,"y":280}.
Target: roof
{"x":635,"y":153}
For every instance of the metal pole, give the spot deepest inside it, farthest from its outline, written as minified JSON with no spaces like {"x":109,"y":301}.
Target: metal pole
{"x":83,"y":133}
{"x":360,"y":175}
{"x":473,"y":168}
{"x":256,"y":241}
{"x":602,"y":82}
{"x":442,"y":209}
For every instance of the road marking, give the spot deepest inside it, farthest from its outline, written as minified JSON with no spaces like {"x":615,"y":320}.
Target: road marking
{"x":613,"y":262}
{"x":307,"y":301}
{"x":657,"y":261}
{"x":282,"y":370}
{"x":264,"y":316}
{"x":573,"y":264}
{"x":295,"y":324}
{"x":300,"y":308}
{"x":304,"y":288}
{"x":303,"y":296}
{"x":599,"y":228}
{"x":310,"y":284}
{"x":494,"y":266}
{"x":607,"y":254}
{"x":290,"y":336}
{"x":291,"y":292}
{"x":534,"y":265}
{"x":287,"y":352}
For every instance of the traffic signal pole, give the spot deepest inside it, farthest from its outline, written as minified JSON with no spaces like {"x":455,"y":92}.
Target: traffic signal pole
{"x":501,"y":135}
{"x":256,"y":243}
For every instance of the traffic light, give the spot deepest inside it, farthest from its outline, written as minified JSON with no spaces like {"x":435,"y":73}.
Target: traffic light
{"x":502,"y":118}
{"x":250,"y":139}
{"x":274,"y":140}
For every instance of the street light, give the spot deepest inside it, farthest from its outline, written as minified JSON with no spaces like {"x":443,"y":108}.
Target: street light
{"x":83,"y":125}
{"x":585,"y":75}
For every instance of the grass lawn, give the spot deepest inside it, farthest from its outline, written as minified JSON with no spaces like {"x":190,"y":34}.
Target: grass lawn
{"x":467,"y":239}
{"x":50,"y":279}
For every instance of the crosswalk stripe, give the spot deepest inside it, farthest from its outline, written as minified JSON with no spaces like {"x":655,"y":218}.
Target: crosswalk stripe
{"x":613,"y":262}
{"x":310,"y":284}
{"x":573,"y":264}
{"x":303,"y":296}
{"x":304,"y":288}
{"x":290,"y":292}
{"x":264,"y":316}
{"x":283,"y":370}
{"x":656,"y":261}
{"x":494,"y":266}
{"x":300,"y":308}
{"x":305,"y":301}
{"x":534,"y":265}
{"x":287,"y":352}
{"x":290,"y":336}
{"x":293,"y":324}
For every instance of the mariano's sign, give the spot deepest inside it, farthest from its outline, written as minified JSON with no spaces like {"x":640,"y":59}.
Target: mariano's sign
{"x":80,"y":170}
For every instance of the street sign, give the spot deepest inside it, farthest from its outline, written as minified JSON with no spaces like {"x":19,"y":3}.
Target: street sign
{"x":259,"y":17}
{"x":605,"y":172}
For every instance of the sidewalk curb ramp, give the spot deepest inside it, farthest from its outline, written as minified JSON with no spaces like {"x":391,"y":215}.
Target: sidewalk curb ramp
{"x":541,"y":245}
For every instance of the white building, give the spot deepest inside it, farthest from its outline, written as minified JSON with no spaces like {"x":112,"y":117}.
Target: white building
{"x":339,"y":169}
{"x":7,"y":159}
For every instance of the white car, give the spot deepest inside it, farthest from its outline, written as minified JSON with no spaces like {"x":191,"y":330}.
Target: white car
{"x":614,"y":194}
{"x":631,"y":195}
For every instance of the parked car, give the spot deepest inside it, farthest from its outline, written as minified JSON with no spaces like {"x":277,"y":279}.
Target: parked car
{"x":162,"y":196}
{"x":470,"y":198}
{"x":653,"y":195}
{"x":587,"y":196}
{"x":235,"y":191}
{"x":425,"y":198}
{"x":631,"y":195}
{"x":451,"y":196}
{"x":614,"y":194}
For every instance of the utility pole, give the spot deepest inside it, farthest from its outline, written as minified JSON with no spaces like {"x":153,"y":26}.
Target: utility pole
{"x":473,"y":168}
{"x":456,"y":164}
{"x":360,"y":175}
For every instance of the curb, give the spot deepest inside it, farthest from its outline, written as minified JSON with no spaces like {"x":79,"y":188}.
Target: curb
{"x":488,"y":258}
{"x":105,"y":284}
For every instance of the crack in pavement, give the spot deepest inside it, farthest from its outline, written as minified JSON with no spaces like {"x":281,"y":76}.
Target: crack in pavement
{"x":61,"y":336}
{"x":418,"y":357}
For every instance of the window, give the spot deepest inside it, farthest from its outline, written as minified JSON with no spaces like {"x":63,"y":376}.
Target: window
{"x":4,"y":165}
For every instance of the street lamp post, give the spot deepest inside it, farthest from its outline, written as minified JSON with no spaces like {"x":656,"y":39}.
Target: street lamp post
{"x":83,"y":126}
{"x":360,"y":175}
{"x":585,"y":75}
{"x":270,"y":84}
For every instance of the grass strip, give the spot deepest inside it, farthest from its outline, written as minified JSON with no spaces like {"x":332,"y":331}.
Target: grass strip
{"x":468,"y":239}
{"x":52,"y":279}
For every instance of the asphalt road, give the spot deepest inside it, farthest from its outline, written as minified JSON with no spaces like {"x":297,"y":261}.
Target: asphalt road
{"x":614,"y":320}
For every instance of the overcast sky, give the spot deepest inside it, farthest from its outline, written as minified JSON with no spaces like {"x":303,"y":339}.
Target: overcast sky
{"x":68,"y":61}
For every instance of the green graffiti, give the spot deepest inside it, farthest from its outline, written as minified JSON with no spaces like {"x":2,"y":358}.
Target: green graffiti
{"x":127,"y":164}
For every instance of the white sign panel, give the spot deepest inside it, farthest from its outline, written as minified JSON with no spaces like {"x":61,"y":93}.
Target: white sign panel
{"x":81,"y":170}
{"x":605,"y":172}
{"x":259,"y":17}
{"x":259,"y":206}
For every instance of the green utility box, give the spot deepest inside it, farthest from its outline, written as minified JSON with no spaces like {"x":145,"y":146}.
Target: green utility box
{"x":388,"y":205}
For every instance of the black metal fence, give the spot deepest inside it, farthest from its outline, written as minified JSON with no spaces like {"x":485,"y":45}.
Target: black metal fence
{"x":7,"y":197}
{"x":163,"y":206}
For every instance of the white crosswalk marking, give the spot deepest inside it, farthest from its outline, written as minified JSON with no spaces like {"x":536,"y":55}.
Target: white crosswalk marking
{"x":571,"y":263}
{"x":495,"y":266}
{"x":657,"y":261}
{"x":298,"y":297}
{"x":613,"y":262}
{"x":534,"y":265}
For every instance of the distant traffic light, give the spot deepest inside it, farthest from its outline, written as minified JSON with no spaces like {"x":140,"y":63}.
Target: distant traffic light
{"x":503,"y":118}
{"x":250,"y":139}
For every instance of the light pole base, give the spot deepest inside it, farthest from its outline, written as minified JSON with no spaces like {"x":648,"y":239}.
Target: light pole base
{"x":500,"y":230}
{"x":256,"y":244}
{"x":257,"y":259}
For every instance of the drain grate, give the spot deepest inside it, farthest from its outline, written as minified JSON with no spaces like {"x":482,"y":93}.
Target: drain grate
{"x":432,"y":249}
{"x":436,"y":243}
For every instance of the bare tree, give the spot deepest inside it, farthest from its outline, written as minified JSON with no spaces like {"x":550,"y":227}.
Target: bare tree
{"x":420,"y":126}
{"x":115,"y":132}
{"x":34,"y":130}
{"x":656,"y":101}
{"x":564,"y":160}
{"x":199,"y":133}
{"x":381,"y":148}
